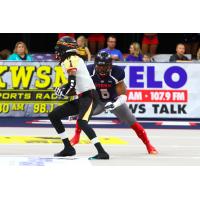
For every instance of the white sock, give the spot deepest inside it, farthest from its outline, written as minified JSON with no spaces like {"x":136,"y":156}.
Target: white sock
{"x":95,"y":140}
{"x":63,"y":135}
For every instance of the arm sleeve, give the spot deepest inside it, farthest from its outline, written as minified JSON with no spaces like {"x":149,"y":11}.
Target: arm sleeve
{"x":121,"y":75}
{"x":68,"y":87}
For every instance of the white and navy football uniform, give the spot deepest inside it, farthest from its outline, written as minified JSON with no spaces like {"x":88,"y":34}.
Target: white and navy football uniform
{"x":105,"y":85}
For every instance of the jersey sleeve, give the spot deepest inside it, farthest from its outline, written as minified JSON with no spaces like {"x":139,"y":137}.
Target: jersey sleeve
{"x":71,"y":63}
{"x":118,"y":73}
{"x":121,"y":75}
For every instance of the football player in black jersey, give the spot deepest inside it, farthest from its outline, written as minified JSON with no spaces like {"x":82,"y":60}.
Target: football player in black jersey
{"x":109,"y":82}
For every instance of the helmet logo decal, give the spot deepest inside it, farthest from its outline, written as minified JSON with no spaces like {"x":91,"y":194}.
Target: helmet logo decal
{"x":65,"y":44}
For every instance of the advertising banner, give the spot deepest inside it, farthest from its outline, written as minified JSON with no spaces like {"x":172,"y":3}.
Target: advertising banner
{"x":163,"y":90}
{"x":154,"y":90}
{"x":26,"y":88}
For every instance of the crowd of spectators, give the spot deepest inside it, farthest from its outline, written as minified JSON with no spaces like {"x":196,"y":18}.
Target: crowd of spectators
{"x":93,"y":43}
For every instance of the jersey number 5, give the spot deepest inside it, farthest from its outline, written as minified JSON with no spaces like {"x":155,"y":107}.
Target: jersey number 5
{"x":105,"y":94}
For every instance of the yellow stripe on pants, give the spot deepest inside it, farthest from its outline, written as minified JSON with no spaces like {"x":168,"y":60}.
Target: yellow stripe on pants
{"x":87,"y":114}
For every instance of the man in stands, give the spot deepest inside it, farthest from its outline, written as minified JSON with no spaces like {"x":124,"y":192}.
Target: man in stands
{"x":179,"y":56}
{"x":115,"y":53}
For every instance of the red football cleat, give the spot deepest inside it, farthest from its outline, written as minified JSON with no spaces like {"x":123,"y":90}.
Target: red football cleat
{"x":76,"y":137}
{"x":75,"y":140}
{"x":151,"y":150}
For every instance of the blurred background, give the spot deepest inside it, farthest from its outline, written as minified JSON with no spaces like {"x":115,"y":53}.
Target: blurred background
{"x":45,"y":42}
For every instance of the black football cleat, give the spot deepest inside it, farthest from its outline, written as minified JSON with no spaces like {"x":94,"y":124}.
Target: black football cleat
{"x":66,"y":152}
{"x":100,"y":156}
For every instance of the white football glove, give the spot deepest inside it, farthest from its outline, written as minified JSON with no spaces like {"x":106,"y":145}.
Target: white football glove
{"x":109,"y":106}
{"x":59,"y":92}
{"x":120,"y":100}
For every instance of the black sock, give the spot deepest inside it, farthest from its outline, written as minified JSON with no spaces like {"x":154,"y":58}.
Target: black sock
{"x":99,"y":147}
{"x":66,"y":143}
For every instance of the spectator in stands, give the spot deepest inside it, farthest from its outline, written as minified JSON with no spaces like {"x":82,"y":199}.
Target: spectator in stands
{"x":146,"y":58}
{"x":179,"y":56}
{"x":20,"y":52}
{"x":115,"y":53}
{"x":198,"y":54}
{"x":191,"y":42}
{"x":96,"y":42}
{"x":82,"y":49}
{"x":4,"y":54}
{"x":135,"y":53}
{"x":150,"y":43}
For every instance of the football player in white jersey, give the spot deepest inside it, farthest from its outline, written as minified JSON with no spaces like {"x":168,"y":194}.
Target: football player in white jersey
{"x":79,"y":80}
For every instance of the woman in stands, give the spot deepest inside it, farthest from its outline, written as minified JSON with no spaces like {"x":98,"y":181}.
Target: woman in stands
{"x":135,"y":53}
{"x":82,"y":49}
{"x":20,"y":53}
